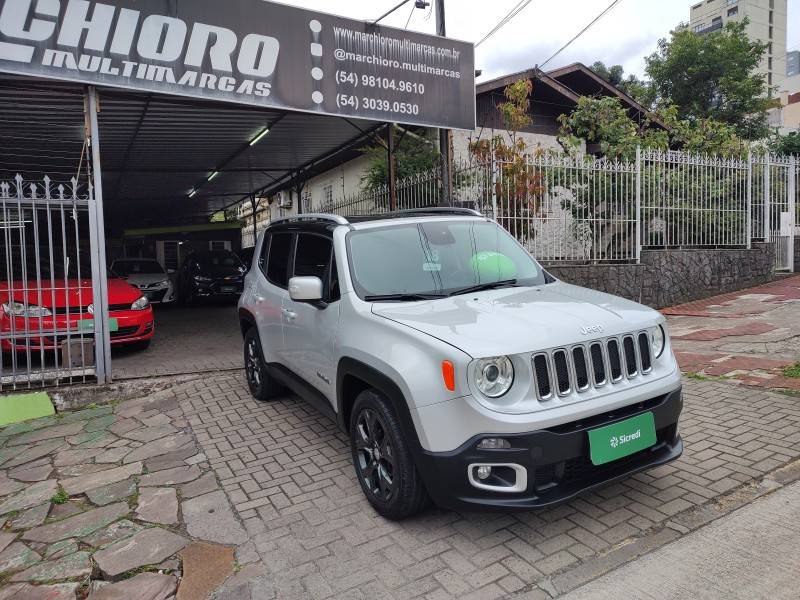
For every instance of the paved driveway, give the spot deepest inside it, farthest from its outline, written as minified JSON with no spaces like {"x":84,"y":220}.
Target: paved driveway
{"x":287,"y":471}
{"x":188,"y":339}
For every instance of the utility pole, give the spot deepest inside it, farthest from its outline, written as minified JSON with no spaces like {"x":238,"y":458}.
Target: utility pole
{"x":444,"y":134}
{"x":392,"y":163}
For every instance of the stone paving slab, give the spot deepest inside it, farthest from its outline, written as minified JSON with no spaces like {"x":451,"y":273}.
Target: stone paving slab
{"x":749,"y":337}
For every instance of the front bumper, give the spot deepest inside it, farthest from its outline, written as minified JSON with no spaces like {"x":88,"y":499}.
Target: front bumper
{"x":48,"y":333}
{"x":556,"y":460}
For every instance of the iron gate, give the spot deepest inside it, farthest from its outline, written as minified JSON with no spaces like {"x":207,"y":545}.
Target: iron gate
{"x":46,"y":325}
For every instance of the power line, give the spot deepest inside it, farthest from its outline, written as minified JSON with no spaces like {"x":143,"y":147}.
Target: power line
{"x":581,"y":32}
{"x":521,"y":5}
{"x":411,"y":14}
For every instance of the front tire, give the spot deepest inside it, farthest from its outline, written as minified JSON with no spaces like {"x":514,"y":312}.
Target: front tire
{"x":382,"y":459}
{"x":262,"y":386}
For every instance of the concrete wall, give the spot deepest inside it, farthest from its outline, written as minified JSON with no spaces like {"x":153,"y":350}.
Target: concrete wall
{"x":670,"y":277}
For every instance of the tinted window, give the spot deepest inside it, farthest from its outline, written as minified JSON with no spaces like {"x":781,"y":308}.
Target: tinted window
{"x":124,"y":268}
{"x":278,"y":262}
{"x":219,"y":259}
{"x":312,"y":256}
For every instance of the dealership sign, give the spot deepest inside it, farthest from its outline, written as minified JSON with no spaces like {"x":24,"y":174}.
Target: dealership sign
{"x":245,"y":51}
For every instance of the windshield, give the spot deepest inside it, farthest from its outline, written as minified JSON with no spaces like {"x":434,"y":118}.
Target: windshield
{"x":219,"y":259}
{"x":126,"y":268}
{"x":438,"y":258}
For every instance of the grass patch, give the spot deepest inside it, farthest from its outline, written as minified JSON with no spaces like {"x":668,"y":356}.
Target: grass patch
{"x":60,"y":497}
{"x":694,"y":375}
{"x":792,"y":371}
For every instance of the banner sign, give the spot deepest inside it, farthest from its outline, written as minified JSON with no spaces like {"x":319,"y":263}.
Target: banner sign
{"x":245,"y":51}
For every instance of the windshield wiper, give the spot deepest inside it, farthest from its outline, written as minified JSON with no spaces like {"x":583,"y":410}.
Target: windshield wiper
{"x":402,"y":297}
{"x":481,"y":287}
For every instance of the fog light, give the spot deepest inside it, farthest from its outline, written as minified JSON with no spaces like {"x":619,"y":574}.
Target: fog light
{"x":484,"y":472}
{"x":494,"y":444}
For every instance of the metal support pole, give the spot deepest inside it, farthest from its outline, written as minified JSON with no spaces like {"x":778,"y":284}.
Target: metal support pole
{"x":444,"y":134}
{"x":392,"y":167}
{"x":749,"y":232}
{"x":97,"y":247}
{"x":638,"y":204}
{"x":767,"y":219}
{"x":494,"y":186}
{"x":791,"y":201}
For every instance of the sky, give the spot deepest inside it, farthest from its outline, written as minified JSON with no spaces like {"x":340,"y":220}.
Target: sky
{"x":624,"y":36}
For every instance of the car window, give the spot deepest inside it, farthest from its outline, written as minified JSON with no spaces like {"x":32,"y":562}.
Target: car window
{"x":262,"y":257}
{"x":312,"y":256}
{"x":278,"y":261}
{"x":125,"y":268}
{"x":438,"y":257}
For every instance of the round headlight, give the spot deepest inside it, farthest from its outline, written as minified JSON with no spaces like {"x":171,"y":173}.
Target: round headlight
{"x":659,"y":340}
{"x":494,"y":376}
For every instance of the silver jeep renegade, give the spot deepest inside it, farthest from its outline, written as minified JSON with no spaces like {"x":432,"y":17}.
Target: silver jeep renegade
{"x":461,"y":370}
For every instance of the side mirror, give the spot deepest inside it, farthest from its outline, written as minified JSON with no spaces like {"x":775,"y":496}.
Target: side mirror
{"x":305,"y":289}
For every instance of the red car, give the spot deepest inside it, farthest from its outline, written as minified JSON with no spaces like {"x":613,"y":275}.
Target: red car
{"x":67,"y":306}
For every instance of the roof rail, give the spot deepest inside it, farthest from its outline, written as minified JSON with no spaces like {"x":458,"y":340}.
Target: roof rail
{"x":312,"y":217}
{"x":437,"y":210}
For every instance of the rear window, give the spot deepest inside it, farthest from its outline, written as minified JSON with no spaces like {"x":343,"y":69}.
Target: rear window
{"x":278,"y":261}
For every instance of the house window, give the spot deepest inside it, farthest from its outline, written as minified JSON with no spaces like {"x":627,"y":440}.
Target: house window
{"x":307,"y":201}
{"x":699,"y":28}
{"x":732,"y":2}
{"x":219,"y":245}
{"x":769,"y":63}
{"x":770,"y":32}
{"x":732,"y":12}
{"x":327,"y":193}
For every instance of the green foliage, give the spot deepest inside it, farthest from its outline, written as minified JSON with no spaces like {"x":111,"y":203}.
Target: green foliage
{"x":636,"y":88}
{"x":713,"y":76}
{"x":513,"y":180}
{"x":786,"y":144}
{"x":605,"y":121}
{"x":792,"y":371}
{"x":414,"y":154}
{"x":60,"y":497}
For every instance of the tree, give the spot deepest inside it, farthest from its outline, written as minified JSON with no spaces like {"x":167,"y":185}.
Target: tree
{"x":416,"y":153}
{"x":639,"y":90}
{"x":786,"y":144}
{"x":605,"y":122}
{"x":713,"y":76}
{"x":512,"y":180}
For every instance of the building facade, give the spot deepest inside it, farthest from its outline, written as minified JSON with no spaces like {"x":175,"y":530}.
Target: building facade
{"x":767,"y":23}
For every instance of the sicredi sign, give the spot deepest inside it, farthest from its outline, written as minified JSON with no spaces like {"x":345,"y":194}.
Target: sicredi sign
{"x":244,"y":51}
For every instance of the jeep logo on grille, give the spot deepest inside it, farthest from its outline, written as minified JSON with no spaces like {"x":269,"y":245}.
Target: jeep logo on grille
{"x":591,"y":329}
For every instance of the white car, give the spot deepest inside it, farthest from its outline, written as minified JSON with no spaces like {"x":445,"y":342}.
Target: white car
{"x":149,"y":276}
{"x":461,"y":370}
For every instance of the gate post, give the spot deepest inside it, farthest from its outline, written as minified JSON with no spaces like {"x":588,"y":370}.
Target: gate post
{"x":749,"y":232}
{"x":638,"y":204}
{"x":767,"y":210}
{"x":790,"y":204}
{"x":97,"y":247}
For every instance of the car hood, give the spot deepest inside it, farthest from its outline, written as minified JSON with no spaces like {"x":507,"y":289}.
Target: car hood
{"x":518,"y":320}
{"x":74,"y":292}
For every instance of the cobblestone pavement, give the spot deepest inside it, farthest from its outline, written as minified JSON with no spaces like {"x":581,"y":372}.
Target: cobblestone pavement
{"x":287,"y":471}
{"x":749,"y":336}
{"x":114,"y":501}
{"x":188,"y":339}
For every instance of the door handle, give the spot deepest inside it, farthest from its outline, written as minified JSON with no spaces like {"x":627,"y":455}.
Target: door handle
{"x":289,"y":314}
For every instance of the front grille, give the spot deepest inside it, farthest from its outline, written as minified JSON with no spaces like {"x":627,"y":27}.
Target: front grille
{"x":72,"y":310}
{"x":124,"y":331}
{"x":582,"y":367}
{"x":644,"y":352}
{"x":562,"y":371}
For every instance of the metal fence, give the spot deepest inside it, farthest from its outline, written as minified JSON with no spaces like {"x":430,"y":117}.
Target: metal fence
{"x":46,"y":325}
{"x":575,"y":209}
